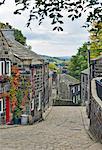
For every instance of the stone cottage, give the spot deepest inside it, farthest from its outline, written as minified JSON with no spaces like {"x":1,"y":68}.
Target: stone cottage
{"x":69,"y":89}
{"x":33,"y":72}
{"x":96,"y":71}
{"x":84,"y":85}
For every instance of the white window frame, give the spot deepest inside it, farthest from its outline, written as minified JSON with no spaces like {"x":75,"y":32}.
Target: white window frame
{"x":32,"y":102}
{"x":3,"y":68}
{"x":9,"y":74}
{"x":73,"y":89}
{"x":78,"y":87}
{"x":1,"y":105}
{"x":39,"y":105}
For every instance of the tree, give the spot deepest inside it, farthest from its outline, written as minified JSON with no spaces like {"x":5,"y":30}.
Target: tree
{"x":19,"y":36}
{"x":52,"y":66}
{"x":78,"y":62}
{"x":96,"y":39}
{"x":54,"y":10}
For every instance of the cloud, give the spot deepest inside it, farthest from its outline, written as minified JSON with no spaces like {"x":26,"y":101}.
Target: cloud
{"x":42,"y":38}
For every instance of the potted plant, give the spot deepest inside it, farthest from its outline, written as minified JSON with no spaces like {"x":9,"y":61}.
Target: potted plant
{"x":17,"y":116}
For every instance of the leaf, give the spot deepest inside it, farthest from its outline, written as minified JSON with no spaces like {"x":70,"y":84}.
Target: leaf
{"x":17,"y":12}
{"x":40,"y":23}
{"x":53,"y":22}
{"x":2,"y":2}
{"x":45,"y":12}
{"x":76,"y":11}
{"x":76,"y":16}
{"x":54,"y":28}
{"x":80,"y":6}
{"x":59,"y":15}
{"x":73,"y":18}
{"x":60,"y":29}
{"x":78,"y":2}
{"x":61,"y":22}
{"x":70,"y":16}
{"x":28,"y":24}
{"x":51,"y":15}
{"x":16,"y":1}
{"x":80,"y":15}
{"x":70,"y":10}
{"x":66,"y":7}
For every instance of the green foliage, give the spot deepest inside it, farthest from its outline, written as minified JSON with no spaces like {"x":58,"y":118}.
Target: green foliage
{"x":96,"y":39}
{"x":18,"y":110}
{"x":52,"y":66}
{"x":78,"y":62}
{"x":19,"y":36}
{"x":19,"y":96}
{"x":3,"y":25}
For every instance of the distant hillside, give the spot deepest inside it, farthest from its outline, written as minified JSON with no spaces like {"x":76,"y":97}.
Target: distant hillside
{"x":56,"y":59}
{"x":64,"y":57}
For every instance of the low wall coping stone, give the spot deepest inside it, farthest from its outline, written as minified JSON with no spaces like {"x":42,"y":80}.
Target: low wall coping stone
{"x":94,"y":91}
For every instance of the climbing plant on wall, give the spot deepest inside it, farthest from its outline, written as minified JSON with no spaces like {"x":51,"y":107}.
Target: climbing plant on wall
{"x":14,"y":87}
{"x":19,"y":91}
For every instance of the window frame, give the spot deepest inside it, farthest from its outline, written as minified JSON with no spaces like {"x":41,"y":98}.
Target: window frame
{"x":3,"y":71}
{"x":1,"y":100}
{"x":32,"y":105}
{"x":9,"y":69}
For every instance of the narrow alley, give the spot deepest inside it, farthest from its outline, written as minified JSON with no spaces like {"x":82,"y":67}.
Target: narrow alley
{"x":63,"y":129}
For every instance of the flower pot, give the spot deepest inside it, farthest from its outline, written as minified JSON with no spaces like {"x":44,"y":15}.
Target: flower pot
{"x":16,"y":120}
{"x":24,"y":119}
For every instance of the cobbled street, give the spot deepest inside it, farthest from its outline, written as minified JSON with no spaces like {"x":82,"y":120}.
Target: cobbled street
{"x":63,"y":129}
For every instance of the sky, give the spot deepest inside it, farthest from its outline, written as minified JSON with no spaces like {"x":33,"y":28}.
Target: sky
{"x":42,"y":38}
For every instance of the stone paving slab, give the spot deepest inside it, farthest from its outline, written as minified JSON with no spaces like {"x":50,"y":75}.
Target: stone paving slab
{"x":8,"y":126}
{"x":45,"y":115}
{"x":63,"y":129}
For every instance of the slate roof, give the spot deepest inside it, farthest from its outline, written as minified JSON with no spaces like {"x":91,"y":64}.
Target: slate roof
{"x":18,"y":49}
{"x":21,"y":51}
{"x":69,"y":79}
{"x":3,"y":43}
{"x":4,"y":47}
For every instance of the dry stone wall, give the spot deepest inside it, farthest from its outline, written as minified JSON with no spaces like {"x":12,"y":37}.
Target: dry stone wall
{"x":96,"y":113}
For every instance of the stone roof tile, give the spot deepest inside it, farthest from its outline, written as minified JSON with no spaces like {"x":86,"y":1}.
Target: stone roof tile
{"x":69,"y":79}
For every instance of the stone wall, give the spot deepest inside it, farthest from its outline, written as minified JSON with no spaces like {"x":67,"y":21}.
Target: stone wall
{"x":96,"y":113}
{"x":84,"y":88}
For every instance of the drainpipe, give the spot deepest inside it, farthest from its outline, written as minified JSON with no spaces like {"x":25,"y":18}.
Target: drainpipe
{"x":89,"y":85}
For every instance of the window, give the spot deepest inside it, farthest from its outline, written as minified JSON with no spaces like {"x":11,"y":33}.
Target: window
{"x":1,"y":105}
{"x":83,"y":79}
{"x":73,"y":99}
{"x":39,"y":105}
{"x":6,"y":52}
{"x":5,"y":68}
{"x":2,"y":67}
{"x":78,"y":87}
{"x":73,"y":89}
{"x":4,"y":105}
{"x":32,"y":105}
